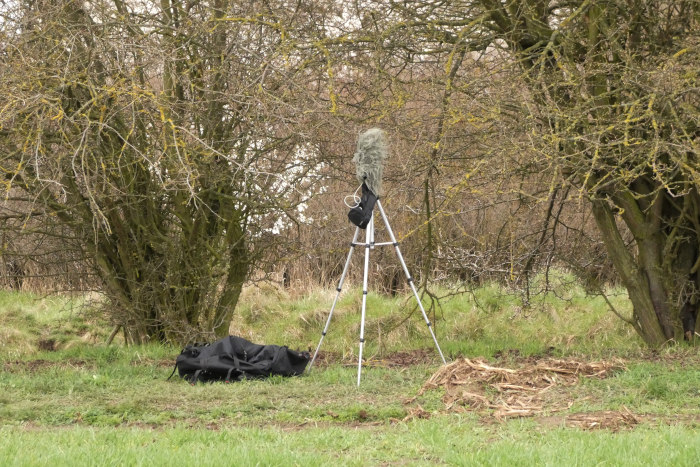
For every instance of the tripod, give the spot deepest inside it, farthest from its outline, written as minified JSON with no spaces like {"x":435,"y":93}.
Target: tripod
{"x":370,"y":244}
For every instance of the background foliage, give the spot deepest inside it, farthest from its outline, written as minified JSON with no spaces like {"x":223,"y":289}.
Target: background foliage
{"x":166,"y":153}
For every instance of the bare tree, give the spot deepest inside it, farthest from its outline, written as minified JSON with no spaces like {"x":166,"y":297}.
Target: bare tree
{"x":609,"y":103}
{"x":166,"y":136}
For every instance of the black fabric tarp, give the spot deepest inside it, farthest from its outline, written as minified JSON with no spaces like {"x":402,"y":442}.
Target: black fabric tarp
{"x":233,"y":358}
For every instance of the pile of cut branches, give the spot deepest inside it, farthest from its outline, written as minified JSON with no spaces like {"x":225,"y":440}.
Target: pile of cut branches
{"x":523,"y":392}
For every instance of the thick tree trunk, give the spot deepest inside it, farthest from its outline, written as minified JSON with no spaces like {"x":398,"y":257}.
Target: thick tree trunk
{"x":650,"y":263}
{"x":648,"y":301}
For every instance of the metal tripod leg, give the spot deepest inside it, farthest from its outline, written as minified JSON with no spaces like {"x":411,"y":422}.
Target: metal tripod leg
{"x":410,"y":281}
{"x":335,"y":300}
{"x":368,"y":246}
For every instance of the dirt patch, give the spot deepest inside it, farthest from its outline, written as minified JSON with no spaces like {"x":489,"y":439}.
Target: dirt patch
{"x":526,"y":391}
{"x":613,"y":420}
{"x":326,"y":358}
{"x":47,"y":344}
{"x":389,"y":360}
{"x":403,"y":359}
{"x":682,"y":356}
{"x":34,"y":366}
{"x":157,"y":362}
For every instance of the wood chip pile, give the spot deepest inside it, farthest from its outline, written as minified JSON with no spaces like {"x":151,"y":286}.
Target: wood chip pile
{"x":523,"y":392}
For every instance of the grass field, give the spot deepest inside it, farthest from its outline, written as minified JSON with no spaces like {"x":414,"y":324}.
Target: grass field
{"x":68,"y":399}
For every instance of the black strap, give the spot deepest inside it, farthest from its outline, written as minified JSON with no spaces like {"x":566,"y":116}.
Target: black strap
{"x":194,"y":379}
{"x":171,"y":374}
{"x":236,"y":367}
{"x":237,"y":363}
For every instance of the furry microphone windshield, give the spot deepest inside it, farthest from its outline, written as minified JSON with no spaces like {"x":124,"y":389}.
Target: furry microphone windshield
{"x":369,"y":158}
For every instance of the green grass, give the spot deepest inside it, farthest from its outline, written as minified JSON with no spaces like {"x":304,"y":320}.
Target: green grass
{"x":482,"y":323}
{"x":669,"y":388}
{"x":29,"y":322}
{"x":86,"y":403}
{"x":450,"y":440}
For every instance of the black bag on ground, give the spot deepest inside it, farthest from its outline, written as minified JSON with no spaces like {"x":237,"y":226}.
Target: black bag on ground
{"x":361,"y":215}
{"x":234,"y":358}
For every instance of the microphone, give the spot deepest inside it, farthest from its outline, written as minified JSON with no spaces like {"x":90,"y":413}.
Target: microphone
{"x":369,"y":158}
{"x":369,"y":165}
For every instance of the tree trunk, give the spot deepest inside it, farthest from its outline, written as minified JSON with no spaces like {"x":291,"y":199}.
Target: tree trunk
{"x":648,"y":304}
